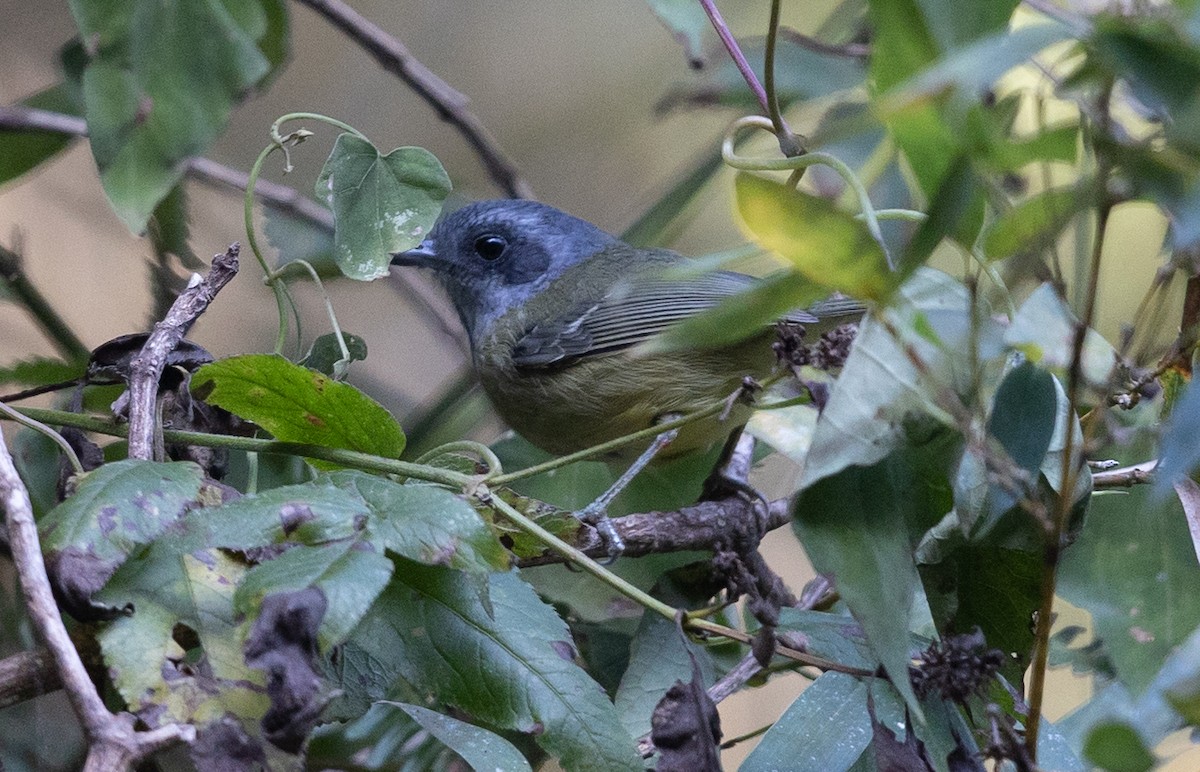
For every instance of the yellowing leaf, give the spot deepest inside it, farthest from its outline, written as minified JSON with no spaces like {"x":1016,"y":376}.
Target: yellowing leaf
{"x":825,"y":244}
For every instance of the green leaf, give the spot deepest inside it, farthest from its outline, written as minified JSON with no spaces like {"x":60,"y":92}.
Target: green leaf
{"x":1117,"y":747}
{"x":1035,"y":223}
{"x":183,"y":597}
{"x":1133,"y":567}
{"x":381,"y":203}
{"x":822,"y":242}
{"x":325,"y":353}
{"x":826,"y":729}
{"x":168,"y":230}
{"x":160,"y":87}
{"x":116,"y":509}
{"x":510,"y":669}
{"x":296,"y":404}
{"x":425,"y":523}
{"x":349,"y":574}
{"x":477,"y":746}
{"x":1179,"y":679}
{"x":688,"y":23}
{"x":879,"y":389}
{"x":859,"y":526}
{"x":1024,"y":413}
{"x":833,"y":636}
{"x":659,"y":655}
{"x":1044,"y":331}
{"x":41,"y":371}
{"x":24,"y":149}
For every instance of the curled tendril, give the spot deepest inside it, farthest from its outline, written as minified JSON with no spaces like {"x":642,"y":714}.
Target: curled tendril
{"x":797,"y":163}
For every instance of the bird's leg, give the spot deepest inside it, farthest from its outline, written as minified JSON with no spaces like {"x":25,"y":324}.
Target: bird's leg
{"x":596,"y":513}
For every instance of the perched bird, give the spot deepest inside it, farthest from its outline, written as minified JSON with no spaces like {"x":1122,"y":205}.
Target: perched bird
{"x":553,"y":307}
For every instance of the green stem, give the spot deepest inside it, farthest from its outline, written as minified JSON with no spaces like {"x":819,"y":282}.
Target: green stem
{"x":333,"y":320}
{"x":19,"y":416}
{"x":576,"y":556}
{"x":788,"y":143}
{"x":478,"y":448}
{"x":747,"y":163}
{"x":350,"y":458}
{"x":605,"y":447}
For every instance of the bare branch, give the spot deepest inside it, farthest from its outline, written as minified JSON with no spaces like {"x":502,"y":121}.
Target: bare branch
{"x":114,"y":743}
{"x":27,"y":674}
{"x":147,"y":366}
{"x":1125,"y":477}
{"x":450,"y":105}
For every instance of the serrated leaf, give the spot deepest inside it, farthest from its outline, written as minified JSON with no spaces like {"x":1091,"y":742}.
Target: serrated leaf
{"x":115,"y":510}
{"x":381,"y":203}
{"x":160,"y":87}
{"x":511,"y":669}
{"x":296,"y":404}
{"x":825,"y":244}
{"x":160,"y":681}
{"x":477,"y":746}
{"x":425,"y":523}
{"x":826,"y":728}
{"x":349,"y":573}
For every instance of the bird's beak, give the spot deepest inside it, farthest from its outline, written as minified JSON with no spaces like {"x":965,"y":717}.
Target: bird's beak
{"x":423,"y":256}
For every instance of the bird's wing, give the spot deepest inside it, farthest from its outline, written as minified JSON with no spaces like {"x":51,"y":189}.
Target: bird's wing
{"x":631,"y":314}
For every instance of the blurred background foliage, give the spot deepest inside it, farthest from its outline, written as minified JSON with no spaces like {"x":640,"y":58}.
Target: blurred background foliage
{"x":602,"y":111}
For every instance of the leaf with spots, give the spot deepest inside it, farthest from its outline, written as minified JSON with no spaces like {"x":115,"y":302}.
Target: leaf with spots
{"x":511,"y":669}
{"x":116,"y":510}
{"x":381,"y":203}
{"x":424,"y":523}
{"x":178,"y":656}
{"x":296,"y":404}
{"x":349,"y":573}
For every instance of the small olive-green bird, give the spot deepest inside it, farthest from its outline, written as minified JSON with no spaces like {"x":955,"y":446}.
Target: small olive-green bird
{"x":553,"y":307}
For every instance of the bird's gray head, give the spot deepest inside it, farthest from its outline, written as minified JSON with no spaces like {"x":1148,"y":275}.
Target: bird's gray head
{"x":494,"y":256}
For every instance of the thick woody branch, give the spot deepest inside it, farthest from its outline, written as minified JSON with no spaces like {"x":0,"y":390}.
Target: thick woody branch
{"x":451,"y":106}
{"x":147,"y":366}
{"x":700,"y":527}
{"x":27,"y":674}
{"x":114,"y":745}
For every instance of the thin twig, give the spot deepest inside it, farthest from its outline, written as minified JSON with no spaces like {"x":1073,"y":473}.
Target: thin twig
{"x":1125,"y":477}
{"x":1069,"y":469}
{"x":30,"y":298}
{"x":450,"y":105}
{"x":114,"y":745}
{"x":147,"y":366}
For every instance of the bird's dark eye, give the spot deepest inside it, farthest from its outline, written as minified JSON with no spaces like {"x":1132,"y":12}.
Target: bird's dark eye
{"x":491,"y":246}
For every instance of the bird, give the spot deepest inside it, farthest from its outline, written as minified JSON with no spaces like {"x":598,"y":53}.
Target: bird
{"x":555,"y":309}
